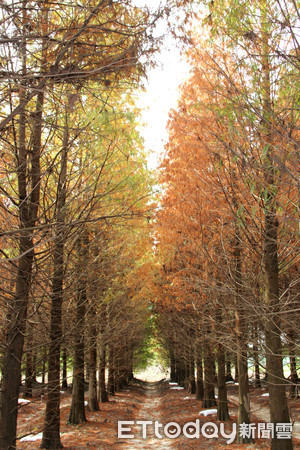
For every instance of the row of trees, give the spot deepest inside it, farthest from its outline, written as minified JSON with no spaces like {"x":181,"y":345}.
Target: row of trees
{"x":74,"y":200}
{"x":227,"y":287}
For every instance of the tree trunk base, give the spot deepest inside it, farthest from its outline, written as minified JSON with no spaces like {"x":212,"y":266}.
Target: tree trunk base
{"x":93,"y":405}
{"x":51,"y":441}
{"x":208,"y":403}
{"x":223,"y":413}
{"x":76,"y":419}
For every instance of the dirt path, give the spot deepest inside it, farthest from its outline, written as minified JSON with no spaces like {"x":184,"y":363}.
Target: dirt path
{"x":150,"y":411}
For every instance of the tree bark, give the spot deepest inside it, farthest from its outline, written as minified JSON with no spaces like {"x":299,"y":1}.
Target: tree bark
{"x":256,"y":358}
{"x":209,"y":399}
{"x":277,"y":388}
{"x":64,"y":384}
{"x":279,"y":412}
{"x":192,"y":381}
{"x":172,"y":364}
{"x":51,"y":433}
{"x":111,"y":371}
{"x":28,"y":374}
{"x":222,"y":413}
{"x":228,"y":367}
{"x":199,"y":382}
{"x":103,"y":396}
{"x":77,"y":413}
{"x":17,"y":314}
{"x":241,"y":329}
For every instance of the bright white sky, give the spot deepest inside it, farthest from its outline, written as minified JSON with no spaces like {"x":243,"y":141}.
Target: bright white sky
{"x":160,"y":96}
{"x":161,"y":92}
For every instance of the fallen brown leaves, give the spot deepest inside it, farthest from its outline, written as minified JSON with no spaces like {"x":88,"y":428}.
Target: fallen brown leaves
{"x":158,"y":403}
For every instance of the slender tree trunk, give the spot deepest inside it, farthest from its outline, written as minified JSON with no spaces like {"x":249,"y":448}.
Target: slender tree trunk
{"x":181,"y":371}
{"x":44,"y":364}
{"x":17,"y":313}
{"x":51,"y":433}
{"x":277,"y":388}
{"x":256,"y":358}
{"x":103,"y":391}
{"x":77,"y":413}
{"x":192,"y":381}
{"x":111,"y":371}
{"x":92,"y":394}
{"x":222,"y":413}
{"x":199,"y":382}
{"x":236,"y":369}
{"x":34,"y":365}
{"x":64,"y":384}
{"x":228,"y":367}
{"x":28,"y":374}
{"x":209,"y":399}
{"x":103,"y":396}
{"x":279,"y":412}
{"x":241,"y":329}
{"x":172,"y":365}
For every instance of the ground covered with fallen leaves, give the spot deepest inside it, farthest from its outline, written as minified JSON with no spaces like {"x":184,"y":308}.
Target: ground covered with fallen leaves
{"x":162,"y":402}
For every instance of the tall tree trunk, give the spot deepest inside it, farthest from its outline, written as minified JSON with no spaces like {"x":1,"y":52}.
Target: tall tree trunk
{"x":222,"y":411}
{"x":103,"y":396}
{"x":228,"y":366}
{"x":92,"y":394}
{"x":172,"y":364}
{"x":103,"y":391}
{"x":17,"y":313}
{"x":279,"y":412}
{"x":181,"y":371}
{"x":28,"y":374}
{"x":241,"y":329}
{"x":256,"y":357}
{"x":277,"y":389}
{"x":77,"y":413}
{"x":192,"y":381}
{"x":199,"y":381}
{"x":44,"y":364}
{"x":34,"y":365}
{"x":51,"y":433}
{"x":64,"y":384}
{"x":209,"y":377}
{"x":236,"y":369}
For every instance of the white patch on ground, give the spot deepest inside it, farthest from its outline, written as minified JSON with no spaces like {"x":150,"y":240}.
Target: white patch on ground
{"x":23,"y":401}
{"x":208,"y":412}
{"x":266,"y":394}
{"x":32,"y":437}
{"x":178,"y":388}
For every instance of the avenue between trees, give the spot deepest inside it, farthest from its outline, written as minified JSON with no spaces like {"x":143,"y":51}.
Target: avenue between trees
{"x":106,"y":266}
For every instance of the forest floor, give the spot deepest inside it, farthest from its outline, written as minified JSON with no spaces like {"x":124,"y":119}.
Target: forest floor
{"x":160,"y":402}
